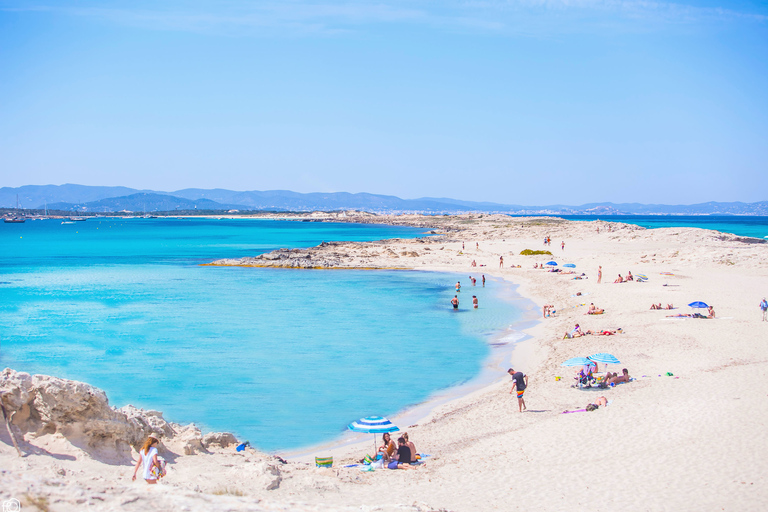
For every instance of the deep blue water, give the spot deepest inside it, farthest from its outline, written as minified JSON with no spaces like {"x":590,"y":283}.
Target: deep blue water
{"x":753,"y":226}
{"x":284,"y":358}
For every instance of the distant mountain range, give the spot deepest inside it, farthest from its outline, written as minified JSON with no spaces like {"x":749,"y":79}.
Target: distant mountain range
{"x":83,"y":198}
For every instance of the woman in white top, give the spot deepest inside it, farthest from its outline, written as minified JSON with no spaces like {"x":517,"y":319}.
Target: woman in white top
{"x":148,"y":459}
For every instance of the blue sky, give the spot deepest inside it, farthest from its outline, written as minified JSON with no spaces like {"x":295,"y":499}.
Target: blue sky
{"x":518,"y":101}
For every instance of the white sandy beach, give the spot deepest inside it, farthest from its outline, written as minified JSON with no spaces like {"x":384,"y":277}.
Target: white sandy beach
{"x":691,"y":441}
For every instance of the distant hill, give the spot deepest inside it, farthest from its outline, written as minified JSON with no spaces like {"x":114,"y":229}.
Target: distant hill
{"x":104,"y":199}
{"x":142,"y":202}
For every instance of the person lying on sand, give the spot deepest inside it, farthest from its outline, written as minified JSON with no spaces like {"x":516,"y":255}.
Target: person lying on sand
{"x":576,"y":332}
{"x":624,"y":377}
{"x":606,"y":333}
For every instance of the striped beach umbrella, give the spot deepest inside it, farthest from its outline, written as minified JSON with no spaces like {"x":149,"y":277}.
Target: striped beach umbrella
{"x":373,"y":425}
{"x":576,"y":361}
{"x":603,"y":357}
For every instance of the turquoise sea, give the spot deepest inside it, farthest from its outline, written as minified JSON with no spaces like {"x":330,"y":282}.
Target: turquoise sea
{"x":284,"y":358}
{"x":752,"y":226}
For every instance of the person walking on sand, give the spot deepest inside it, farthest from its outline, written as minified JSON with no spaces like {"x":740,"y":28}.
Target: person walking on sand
{"x":763,"y":308}
{"x":562,"y":245}
{"x":501,"y":261}
{"x":455,"y":302}
{"x":599,"y":274}
{"x":474,"y":301}
{"x":520,"y":383}
{"x":148,"y":459}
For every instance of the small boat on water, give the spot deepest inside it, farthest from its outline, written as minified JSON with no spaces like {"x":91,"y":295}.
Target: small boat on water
{"x":14,"y":220}
{"x":67,"y":222}
{"x":78,"y":219}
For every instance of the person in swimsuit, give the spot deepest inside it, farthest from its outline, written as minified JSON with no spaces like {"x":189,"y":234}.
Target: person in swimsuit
{"x":618,"y":379}
{"x":412,"y":447}
{"x":501,"y":261}
{"x":455,"y":302}
{"x":710,"y":312}
{"x":148,"y":459}
{"x":458,"y":286}
{"x":520,"y":383}
{"x":387,"y":449}
{"x":483,"y":279}
{"x":474,"y":301}
{"x":599,"y":273}
{"x":402,"y":459}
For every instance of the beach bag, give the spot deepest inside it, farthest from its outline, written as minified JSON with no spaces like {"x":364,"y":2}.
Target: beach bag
{"x":158,"y":470}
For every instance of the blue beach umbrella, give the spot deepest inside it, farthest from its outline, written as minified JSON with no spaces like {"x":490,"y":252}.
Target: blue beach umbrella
{"x":698,"y":304}
{"x":603,"y":357}
{"x":570,"y":265}
{"x":576,"y":361}
{"x":373,"y":425}
{"x":551,"y":263}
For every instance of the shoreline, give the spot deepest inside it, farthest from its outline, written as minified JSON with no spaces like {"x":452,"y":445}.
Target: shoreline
{"x":666,"y":429}
{"x":491,"y":372}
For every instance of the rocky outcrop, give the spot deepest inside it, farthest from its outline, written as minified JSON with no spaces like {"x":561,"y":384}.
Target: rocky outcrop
{"x":39,"y":405}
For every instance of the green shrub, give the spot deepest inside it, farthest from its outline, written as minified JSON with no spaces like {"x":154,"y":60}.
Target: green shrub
{"x":529,"y":252}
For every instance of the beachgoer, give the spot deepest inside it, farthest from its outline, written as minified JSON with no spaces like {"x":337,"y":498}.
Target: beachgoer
{"x":598,"y":230}
{"x":600,"y":401}
{"x":474,"y":281}
{"x":148,"y":459}
{"x":669,"y":306}
{"x":458,"y":286}
{"x":594,"y":310}
{"x":764,"y":309}
{"x":599,"y":273}
{"x":629,"y":276}
{"x":474,"y":263}
{"x":402,"y":459}
{"x":710,"y":312}
{"x":462,"y":246}
{"x":520,"y":383}
{"x":474,"y":301}
{"x":501,"y":261}
{"x":483,"y":280}
{"x":387,"y":449}
{"x":455,"y":302}
{"x":545,"y":311}
{"x":618,"y":379}
{"x":477,"y":246}
{"x":414,"y":453}
{"x":562,"y":246}
{"x":619,"y":279}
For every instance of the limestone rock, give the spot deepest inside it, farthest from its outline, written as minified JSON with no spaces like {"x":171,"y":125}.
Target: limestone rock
{"x":219,"y":439}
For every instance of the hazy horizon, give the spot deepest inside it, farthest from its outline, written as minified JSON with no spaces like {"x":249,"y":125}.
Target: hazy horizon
{"x":512,"y":102}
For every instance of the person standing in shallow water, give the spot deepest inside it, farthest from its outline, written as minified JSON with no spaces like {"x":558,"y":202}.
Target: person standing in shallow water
{"x":520,"y":384}
{"x":455,"y":302}
{"x":484,"y":282}
{"x":474,"y":301}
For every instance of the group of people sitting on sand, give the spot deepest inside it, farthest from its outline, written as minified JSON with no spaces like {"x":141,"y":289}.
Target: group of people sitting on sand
{"x":658,"y":306}
{"x":404,"y":456}
{"x":548,"y":310}
{"x":629,"y":277}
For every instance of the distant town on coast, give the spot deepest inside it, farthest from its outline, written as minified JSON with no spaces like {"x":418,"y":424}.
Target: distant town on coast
{"x":100,"y":199}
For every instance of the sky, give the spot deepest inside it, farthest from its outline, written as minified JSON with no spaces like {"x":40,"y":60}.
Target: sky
{"x":516,"y":102}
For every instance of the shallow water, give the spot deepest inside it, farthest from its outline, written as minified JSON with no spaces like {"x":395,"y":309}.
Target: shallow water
{"x":284,"y":358}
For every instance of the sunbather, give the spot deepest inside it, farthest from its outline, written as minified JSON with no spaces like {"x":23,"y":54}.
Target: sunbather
{"x":402,"y":459}
{"x":594,"y":310}
{"x":624,"y":377}
{"x":414,"y":453}
{"x":710,"y":312}
{"x":629,"y":276}
{"x":619,"y":279}
{"x":387,"y":449}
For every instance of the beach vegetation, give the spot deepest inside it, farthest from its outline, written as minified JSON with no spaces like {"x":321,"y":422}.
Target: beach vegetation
{"x":230,"y":491}
{"x":529,"y":252}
